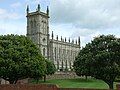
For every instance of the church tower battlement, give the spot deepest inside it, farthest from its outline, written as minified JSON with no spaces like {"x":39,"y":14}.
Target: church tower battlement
{"x":61,"y":52}
{"x":76,"y":43}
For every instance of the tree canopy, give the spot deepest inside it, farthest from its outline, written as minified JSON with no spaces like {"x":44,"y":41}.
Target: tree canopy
{"x":50,"y":68}
{"x":100,"y":59}
{"x":20,"y":58}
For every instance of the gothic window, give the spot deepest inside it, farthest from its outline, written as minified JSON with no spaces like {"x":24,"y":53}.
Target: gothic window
{"x":43,"y":39}
{"x":68,"y":54}
{"x":70,"y":64}
{"x":71,"y":55}
{"x":31,"y":24}
{"x":62,"y":66}
{"x":58,"y":65}
{"x":59,"y":53}
{"x":42,"y":24}
{"x":55,"y":53}
{"x":66,"y":65}
{"x":64,"y":54}
{"x":44,"y":27}
{"x":43,"y":51}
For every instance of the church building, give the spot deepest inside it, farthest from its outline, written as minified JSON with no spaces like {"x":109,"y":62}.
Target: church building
{"x":61,"y":52}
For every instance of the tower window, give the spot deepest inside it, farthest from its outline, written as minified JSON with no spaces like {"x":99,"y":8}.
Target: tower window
{"x":31,"y":24}
{"x":43,"y":39}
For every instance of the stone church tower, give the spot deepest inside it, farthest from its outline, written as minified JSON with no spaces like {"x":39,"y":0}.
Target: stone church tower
{"x":38,"y":29}
{"x":61,"y":52}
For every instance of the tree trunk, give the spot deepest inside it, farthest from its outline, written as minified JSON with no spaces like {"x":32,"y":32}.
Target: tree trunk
{"x":0,"y":80}
{"x":11,"y":82}
{"x":85,"y":77}
{"x":37,"y":80}
{"x":110,"y":85}
{"x":44,"y":78}
{"x":15,"y":81}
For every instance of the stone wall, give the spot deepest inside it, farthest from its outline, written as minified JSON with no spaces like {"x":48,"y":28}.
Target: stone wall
{"x":63,"y":75}
{"x":2,"y":81}
{"x":41,"y":87}
{"x":118,"y":86}
{"x":23,"y":81}
{"x":28,"y":87}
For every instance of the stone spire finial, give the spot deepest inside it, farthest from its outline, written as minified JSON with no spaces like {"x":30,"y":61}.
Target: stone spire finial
{"x":65,"y":39}
{"x":69,"y":40}
{"x":57,"y":37}
{"x":27,"y":9}
{"x":52,"y":35}
{"x":61,"y":38}
{"x":47,"y":11}
{"x":38,"y":8}
{"x":76,"y":41}
{"x":79,"y":40}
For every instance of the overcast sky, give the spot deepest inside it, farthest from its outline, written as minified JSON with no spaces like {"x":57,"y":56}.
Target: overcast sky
{"x":68,"y":18}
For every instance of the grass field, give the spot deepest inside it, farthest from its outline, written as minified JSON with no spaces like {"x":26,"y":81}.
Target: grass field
{"x":78,"y":83}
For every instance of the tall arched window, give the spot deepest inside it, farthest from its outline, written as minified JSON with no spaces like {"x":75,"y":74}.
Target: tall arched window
{"x":59,"y":53}
{"x":43,"y":51}
{"x":55,"y":53}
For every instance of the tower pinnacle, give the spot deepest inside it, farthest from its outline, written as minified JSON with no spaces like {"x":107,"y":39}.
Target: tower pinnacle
{"x":52,"y":35}
{"x":65,"y":39}
{"x":79,"y":40}
{"x":69,"y":40}
{"x":47,"y":11}
{"x":38,"y":7}
{"x":27,"y":9}
{"x":61,"y":38}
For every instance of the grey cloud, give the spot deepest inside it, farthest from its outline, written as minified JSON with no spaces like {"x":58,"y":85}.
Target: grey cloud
{"x":82,"y":32}
{"x":90,"y":14}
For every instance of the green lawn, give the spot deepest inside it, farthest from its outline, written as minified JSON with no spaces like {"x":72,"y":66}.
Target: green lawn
{"x":78,"y":83}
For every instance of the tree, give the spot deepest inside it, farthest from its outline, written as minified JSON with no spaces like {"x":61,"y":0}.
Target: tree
{"x":100,"y":59}
{"x":50,"y":68}
{"x":20,"y":58}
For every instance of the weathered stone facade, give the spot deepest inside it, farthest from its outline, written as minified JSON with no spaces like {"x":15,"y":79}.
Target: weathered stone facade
{"x":62,"y":53}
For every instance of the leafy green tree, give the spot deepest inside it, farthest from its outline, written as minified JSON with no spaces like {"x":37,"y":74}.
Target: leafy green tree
{"x":50,"y":68}
{"x":100,"y":59}
{"x":20,"y":58}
